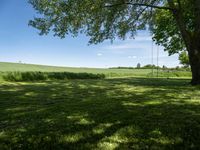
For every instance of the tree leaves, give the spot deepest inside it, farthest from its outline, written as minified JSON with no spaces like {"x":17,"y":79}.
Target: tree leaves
{"x":109,"y":19}
{"x":99,"y":19}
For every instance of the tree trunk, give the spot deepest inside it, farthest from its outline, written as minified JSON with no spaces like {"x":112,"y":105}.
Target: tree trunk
{"x":194,"y":48}
{"x":194,"y":57}
{"x":191,"y":39}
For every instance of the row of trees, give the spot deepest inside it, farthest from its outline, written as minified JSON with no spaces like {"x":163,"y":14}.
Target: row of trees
{"x":149,"y":66}
{"x":174,"y":24}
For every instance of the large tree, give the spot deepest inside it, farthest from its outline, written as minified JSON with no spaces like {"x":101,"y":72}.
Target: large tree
{"x":175,"y":24}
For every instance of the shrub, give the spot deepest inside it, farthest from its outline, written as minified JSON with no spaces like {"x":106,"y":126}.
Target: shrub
{"x":24,"y":76}
{"x":39,"y":76}
{"x":70,"y":75}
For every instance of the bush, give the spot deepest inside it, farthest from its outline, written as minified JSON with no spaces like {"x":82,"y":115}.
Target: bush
{"x":39,"y":76}
{"x":70,"y":75}
{"x":24,"y":76}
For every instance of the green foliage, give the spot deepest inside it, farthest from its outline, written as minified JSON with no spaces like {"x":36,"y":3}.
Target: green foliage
{"x":39,"y":76}
{"x":24,"y":76}
{"x":125,"y":113}
{"x":149,"y":66}
{"x":184,"y":59}
{"x":99,"y":19}
{"x":71,"y":75}
{"x":166,"y":32}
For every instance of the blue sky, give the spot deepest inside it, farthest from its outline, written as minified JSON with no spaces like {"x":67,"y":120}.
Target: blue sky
{"x":20,"y":42}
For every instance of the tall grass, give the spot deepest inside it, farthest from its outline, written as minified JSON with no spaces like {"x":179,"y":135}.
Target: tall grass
{"x":40,"y":76}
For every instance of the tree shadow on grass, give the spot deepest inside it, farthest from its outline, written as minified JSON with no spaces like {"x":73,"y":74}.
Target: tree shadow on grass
{"x":132,"y":113}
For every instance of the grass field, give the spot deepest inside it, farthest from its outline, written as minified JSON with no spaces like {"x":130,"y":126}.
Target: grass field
{"x":125,"y":113}
{"x":113,"y":113}
{"x":5,"y":67}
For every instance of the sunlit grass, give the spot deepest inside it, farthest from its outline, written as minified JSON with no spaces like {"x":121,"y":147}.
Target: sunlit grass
{"x":109,"y":73}
{"x":125,"y":113}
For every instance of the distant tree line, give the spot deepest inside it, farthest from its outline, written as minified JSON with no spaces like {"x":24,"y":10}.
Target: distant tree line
{"x":150,"y":66}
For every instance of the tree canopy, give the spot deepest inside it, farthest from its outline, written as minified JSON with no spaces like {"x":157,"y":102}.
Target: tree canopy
{"x":99,"y":19}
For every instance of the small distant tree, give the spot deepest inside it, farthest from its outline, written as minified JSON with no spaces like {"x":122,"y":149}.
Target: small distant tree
{"x":164,"y":67}
{"x":177,"y":68}
{"x":138,"y":66}
{"x":149,"y":66}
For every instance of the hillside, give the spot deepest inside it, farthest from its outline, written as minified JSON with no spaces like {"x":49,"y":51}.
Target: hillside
{"x":12,"y":67}
{"x":4,"y":67}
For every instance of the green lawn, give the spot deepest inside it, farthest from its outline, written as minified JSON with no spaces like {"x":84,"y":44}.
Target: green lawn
{"x":125,"y":113}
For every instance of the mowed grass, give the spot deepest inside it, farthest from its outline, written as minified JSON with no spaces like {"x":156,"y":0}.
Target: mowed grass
{"x":125,"y":113}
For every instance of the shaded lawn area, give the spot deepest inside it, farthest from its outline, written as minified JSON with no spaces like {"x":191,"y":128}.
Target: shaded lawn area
{"x":126,"y":113}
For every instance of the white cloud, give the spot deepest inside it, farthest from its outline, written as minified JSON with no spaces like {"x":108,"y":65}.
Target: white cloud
{"x":133,"y":44}
{"x":143,"y":38}
{"x":119,"y":46}
{"x":132,"y":57}
{"x":99,"y":54}
{"x":124,"y":46}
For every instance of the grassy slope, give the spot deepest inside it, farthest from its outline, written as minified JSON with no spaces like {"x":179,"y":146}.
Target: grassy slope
{"x":110,"y":72}
{"x":131,"y":113}
{"x":4,"y":66}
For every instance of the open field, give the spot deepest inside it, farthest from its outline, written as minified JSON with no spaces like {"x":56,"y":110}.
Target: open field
{"x":130,"y":111}
{"x":5,"y":67}
{"x":125,"y":113}
{"x":144,"y":96}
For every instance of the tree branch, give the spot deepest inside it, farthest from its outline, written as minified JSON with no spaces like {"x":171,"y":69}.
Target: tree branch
{"x":140,"y":13}
{"x":140,"y":4}
{"x":181,"y":23}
